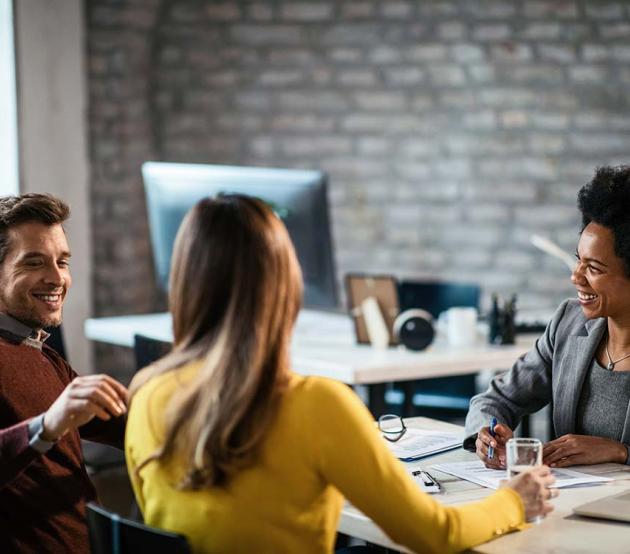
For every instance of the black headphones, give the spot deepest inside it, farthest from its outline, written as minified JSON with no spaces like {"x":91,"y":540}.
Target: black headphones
{"x":414,"y":329}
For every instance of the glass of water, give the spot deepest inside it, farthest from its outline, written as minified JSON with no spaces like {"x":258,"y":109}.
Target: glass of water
{"x":523,"y":454}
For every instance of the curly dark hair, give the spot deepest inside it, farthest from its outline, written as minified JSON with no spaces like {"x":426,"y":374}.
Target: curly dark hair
{"x":606,"y":201}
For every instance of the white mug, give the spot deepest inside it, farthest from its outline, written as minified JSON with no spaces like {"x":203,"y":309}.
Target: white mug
{"x":461,"y":326}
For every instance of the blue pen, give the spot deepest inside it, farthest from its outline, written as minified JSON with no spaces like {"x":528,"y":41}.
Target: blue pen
{"x":493,"y":424}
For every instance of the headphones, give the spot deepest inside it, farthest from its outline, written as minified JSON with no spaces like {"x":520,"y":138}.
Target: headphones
{"x":414,"y":329}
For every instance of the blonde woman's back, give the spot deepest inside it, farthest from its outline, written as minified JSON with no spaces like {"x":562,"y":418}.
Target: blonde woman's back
{"x":321,"y":443}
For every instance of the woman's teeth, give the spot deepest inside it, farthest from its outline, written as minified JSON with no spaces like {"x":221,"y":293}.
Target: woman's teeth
{"x":584,"y":296}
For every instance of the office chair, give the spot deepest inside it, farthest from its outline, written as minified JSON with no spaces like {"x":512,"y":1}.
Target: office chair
{"x":444,"y":396}
{"x":112,"y":534}
{"x":147,"y":350}
{"x":55,"y":340}
{"x":100,"y":457}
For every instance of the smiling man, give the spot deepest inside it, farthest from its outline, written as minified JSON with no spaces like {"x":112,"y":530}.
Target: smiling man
{"x":45,"y":408}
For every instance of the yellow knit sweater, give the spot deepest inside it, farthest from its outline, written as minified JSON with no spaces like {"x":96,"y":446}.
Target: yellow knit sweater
{"x":323,"y":447}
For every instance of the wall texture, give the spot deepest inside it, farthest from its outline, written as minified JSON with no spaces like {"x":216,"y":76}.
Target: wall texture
{"x":451,"y":130}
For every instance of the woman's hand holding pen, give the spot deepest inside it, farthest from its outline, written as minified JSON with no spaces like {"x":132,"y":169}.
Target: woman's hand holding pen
{"x":534,"y":487}
{"x":570,"y":450}
{"x":484,"y":440}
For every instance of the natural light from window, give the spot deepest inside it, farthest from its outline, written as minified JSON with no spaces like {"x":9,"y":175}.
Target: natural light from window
{"x":9,"y":179}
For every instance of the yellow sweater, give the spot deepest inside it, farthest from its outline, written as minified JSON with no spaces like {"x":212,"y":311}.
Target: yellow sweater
{"x":323,"y":447}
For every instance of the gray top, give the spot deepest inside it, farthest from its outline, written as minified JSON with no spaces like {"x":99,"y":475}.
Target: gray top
{"x":555,"y":369}
{"x":601,"y":411}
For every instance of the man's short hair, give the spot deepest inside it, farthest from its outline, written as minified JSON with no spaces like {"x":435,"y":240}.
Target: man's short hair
{"x":27,"y":208}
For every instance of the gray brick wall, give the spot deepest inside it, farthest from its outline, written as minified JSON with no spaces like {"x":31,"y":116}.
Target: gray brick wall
{"x":451,"y":130}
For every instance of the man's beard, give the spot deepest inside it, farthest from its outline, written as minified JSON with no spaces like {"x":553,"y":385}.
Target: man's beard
{"x":32,"y":320}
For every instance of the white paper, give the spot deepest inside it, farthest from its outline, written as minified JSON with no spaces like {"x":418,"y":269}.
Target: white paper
{"x":417,"y":443}
{"x":477,"y":472}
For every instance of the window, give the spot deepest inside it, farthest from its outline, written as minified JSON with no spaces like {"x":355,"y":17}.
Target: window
{"x":9,"y":178}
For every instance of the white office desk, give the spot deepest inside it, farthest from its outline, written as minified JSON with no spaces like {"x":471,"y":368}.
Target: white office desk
{"x":324,"y":345}
{"x":559,"y":533}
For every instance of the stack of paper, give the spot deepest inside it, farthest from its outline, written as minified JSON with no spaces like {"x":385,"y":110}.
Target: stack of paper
{"x":477,"y":472}
{"x":416,"y":444}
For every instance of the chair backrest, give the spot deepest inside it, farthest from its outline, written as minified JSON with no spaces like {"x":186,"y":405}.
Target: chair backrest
{"x":147,"y":350}
{"x":437,"y":296}
{"x":55,"y":341}
{"x":112,"y":534}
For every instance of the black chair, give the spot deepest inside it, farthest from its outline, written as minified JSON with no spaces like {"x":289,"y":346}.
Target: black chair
{"x":112,"y":534}
{"x":443,"y":397}
{"x":100,"y":457}
{"x":55,"y":340}
{"x":147,"y":350}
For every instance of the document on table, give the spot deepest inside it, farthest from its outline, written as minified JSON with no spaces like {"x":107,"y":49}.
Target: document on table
{"x":477,"y":472}
{"x":417,"y":443}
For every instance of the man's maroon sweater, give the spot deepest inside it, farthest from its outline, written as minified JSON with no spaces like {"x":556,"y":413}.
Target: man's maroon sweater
{"x":42,"y":496}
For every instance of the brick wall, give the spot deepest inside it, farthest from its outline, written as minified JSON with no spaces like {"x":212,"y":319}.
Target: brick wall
{"x":451,"y":130}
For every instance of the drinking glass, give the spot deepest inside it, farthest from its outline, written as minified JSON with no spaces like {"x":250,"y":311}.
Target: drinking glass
{"x":523,"y":454}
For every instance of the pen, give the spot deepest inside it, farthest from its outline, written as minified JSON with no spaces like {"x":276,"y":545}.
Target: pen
{"x":490,"y":448}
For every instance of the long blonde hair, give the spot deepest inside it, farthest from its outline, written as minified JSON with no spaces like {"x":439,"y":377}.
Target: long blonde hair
{"x":235,"y":292}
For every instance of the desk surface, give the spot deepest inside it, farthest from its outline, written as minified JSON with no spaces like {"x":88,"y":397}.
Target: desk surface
{"x":561,"y":532}
{"x":324,"y":345}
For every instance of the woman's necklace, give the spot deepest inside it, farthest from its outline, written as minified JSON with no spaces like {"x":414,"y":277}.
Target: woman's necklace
{"x":611,"y":364}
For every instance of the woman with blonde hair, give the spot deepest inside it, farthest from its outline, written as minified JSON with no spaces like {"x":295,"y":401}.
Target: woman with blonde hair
{"x":226,"y":445}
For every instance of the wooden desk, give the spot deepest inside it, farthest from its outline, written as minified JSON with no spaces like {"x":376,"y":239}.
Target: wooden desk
{"x":561,"y":532}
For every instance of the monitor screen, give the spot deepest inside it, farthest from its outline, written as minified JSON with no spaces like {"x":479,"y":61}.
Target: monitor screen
{"x":297,"y":196}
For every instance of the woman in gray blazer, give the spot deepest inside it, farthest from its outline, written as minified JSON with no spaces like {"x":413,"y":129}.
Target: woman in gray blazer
{"x":582,"y":361}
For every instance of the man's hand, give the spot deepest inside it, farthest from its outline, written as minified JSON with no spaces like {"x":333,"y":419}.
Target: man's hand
{"x":570,"y":450}
{"x":83,"y":399}
{"x":485,"y":439}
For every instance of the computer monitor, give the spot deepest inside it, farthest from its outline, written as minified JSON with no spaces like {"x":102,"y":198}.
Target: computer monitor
{"x":297,"y":196}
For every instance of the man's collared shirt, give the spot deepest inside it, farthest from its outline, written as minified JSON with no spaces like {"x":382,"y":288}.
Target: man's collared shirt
{"x":28,"y":335}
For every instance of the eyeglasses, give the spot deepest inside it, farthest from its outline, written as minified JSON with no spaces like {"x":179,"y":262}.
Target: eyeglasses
{"x":392,"y":427}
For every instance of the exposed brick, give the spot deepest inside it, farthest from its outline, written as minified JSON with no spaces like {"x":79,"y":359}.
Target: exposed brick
{"x":480,"y":120}
{"x":511,"y":52}
{"x":491,"y":32}
{"x":223,"y":11}
{"x":540,"y":31}
{"x":259,"y":11}
{"x":451,"y":30}
{"x":473,"y":123}
{"x":588,"y":73}
{"x":404,"y":76}
{"x":385,"y":54}
{"x":381,"y":101}
{"x":563,"y":9}
{"x":556,"y":53}
{"x":346,"y":55}
{"x":466,"y":53}
{"x":447,"y":75}
{"x":605,"y":10}
{"x":358,"y":9}
{"x":490,"y":9}
{"x":259,"y":35}
{"x":306,"y":11}
{"x":427,"y":53}
{"x":396,"y":9}
{"x":357,"y":77}
{"x":514,"y":119}
{"x":615,"y":30}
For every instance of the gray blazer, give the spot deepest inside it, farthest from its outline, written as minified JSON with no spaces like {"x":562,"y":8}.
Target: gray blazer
{"x":554,"y":370}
